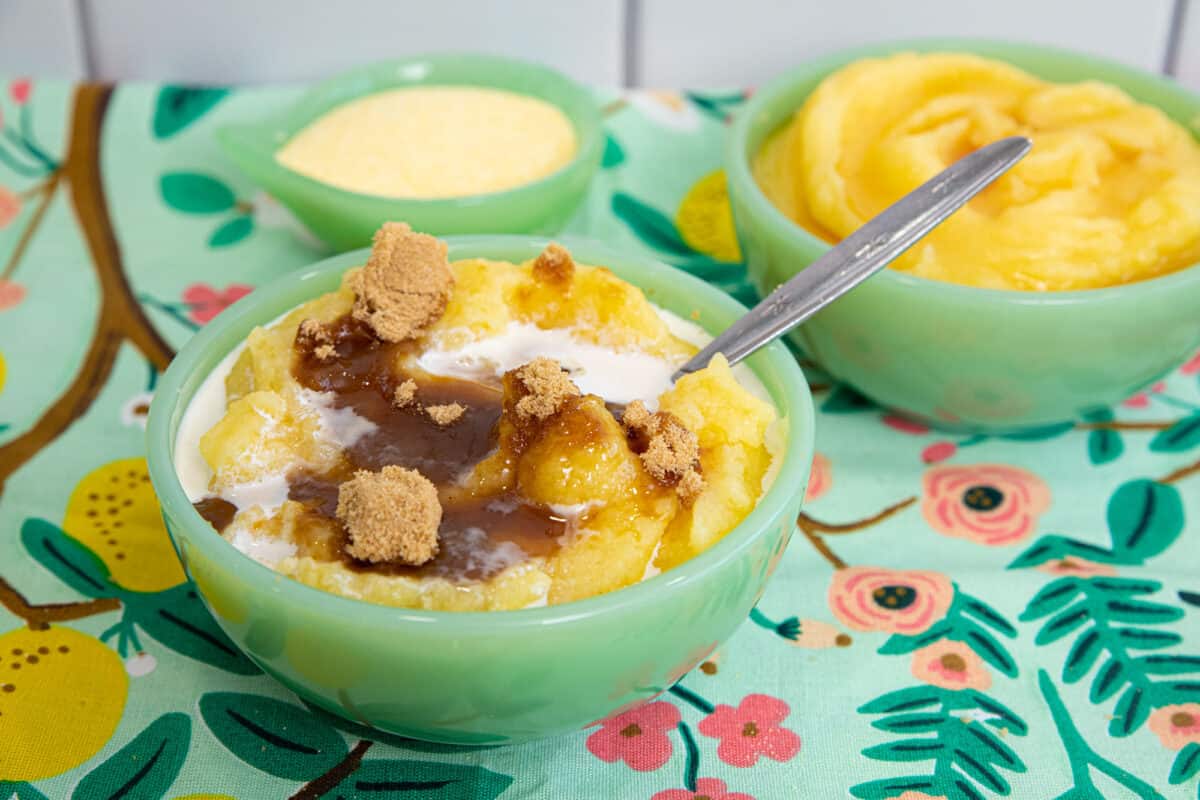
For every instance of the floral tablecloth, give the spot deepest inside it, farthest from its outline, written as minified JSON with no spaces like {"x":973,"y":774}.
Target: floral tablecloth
{"x":958,"y":617}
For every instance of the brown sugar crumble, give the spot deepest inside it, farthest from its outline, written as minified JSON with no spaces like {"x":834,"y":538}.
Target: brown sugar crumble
{"x":554,"y":266}
{"x":669,"y":451}
{"x":541,"y":387}
{"x":445,"y":414}
{"x":405,"y":285}
{"x":312,"y":337}
{"x":391,"y":515}
{"x":405,"y":393}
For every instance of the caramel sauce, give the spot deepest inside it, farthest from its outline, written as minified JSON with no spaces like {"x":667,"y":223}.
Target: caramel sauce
{"x":217,"y":511}
{"x":479,"y":536}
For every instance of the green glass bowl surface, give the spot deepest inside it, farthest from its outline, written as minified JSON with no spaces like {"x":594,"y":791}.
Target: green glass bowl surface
{"x":483,"y":677}
{"x":984,"y":360}
{"x":346,"y":220}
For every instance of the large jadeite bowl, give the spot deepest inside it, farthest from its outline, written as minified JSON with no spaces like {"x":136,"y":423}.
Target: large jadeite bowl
{"x":483,"y":677}
{"x":345,"y":220}
{"x":986,"y":360}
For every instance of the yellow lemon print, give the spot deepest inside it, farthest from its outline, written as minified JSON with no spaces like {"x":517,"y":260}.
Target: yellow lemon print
{"x":206,"y":797}
{"x":114,"y":512}
{"x":61,"y":697}
{"x":705,"y":220}
{"x":3,"y":372}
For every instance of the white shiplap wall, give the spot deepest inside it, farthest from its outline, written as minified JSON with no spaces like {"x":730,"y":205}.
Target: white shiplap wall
{"x":690,"y":43}
{"x":604,"y":42}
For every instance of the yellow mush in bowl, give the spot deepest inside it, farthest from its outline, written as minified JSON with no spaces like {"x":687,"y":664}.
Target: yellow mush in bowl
{"x":1063,"y":288}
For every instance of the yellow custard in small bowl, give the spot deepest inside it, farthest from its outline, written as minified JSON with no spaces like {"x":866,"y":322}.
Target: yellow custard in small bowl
{"x":433,"y":142}
{"x":452,"y":143}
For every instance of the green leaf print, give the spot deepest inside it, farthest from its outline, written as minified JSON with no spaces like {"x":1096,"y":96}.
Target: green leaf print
{"x":178,"y":619}
{"x":652,"y":226}
{"x":176,"y":107}
{"x":963,"y":751}
{"x":145,"y":768}
{"x":614,"y":154}
{"x":275,"y":737}
{"x":1144,"y":518}
{"x":73,"y":563}
{"x":963,"y":623}
{"x":232,"y":231}
{"x":1187,"y":764}
{"x":1104,"y":446}
{"x":1183,"y":435}
{"x":1110,"y":622}
{"x":193,"y":193}
{"x":20,"y":791}
{"x":1054,"y":547}
{"x":380,"y":779}
{"x":902,"y":700}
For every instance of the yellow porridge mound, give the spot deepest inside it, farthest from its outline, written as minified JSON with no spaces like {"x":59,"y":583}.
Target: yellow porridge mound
{"x":630,"y":525}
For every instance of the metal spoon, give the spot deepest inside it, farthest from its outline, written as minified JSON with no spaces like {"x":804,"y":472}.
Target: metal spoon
{"x":863,"y":253}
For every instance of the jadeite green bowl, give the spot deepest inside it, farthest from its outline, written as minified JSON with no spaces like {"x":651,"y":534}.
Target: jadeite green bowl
{"x":345,"y":220}
{"x":986,"y":360}
{"x":483,"y":677}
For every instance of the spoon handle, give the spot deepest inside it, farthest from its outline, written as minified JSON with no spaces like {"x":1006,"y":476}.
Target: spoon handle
{"x":863,"y":253}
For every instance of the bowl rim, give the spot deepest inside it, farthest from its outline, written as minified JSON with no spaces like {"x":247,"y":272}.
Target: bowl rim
{"x":737,"y":165}
{"x":584,"y":115}
{"x":794,"y":402}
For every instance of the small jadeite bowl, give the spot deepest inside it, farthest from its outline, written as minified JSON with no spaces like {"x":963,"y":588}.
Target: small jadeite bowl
{"x":984,"y":360}
{"x":483,"y":677}
{"x":346,"y":220}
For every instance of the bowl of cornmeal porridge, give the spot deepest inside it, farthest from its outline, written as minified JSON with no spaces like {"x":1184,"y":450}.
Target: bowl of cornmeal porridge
{"x":454,"y":143}
{"x":1064,"y":287}
{"x":448,"y":489}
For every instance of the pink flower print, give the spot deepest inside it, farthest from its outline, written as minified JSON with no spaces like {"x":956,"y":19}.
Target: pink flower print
{"x":1192,"y":365}
{"x":1139,"y":400}
{"x":751,"y":730}
{"x":951,"y":665}
{"x":991,"y":504}
{"x":905,"y":425}
{"x":1176,"y":725}
{"x":638,"y":736}
{"x":938,"y":451}
{"x":11,"y":294}
{"x":19,"y":90}
{"x":10,"y":206}
{"x":1079,"y":567}
{"x":706,"y":789}
{"x":912,"y":795}
{"x":820,"y":478}
{"x":893,"y":601}
{"x":205,"y":302}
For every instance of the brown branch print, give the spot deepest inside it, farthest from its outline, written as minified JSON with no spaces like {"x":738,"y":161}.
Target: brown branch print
{"x":1181,"y":473}
{"x":1116,"y":425}
{"x":45,"y":193}
{"x":814,"y":528}
{"x":821,"y":547}
{"x":40,"y":616}
{"x":120,"y":317}
{"x":805,"y":521}
{"x":322,"y":784}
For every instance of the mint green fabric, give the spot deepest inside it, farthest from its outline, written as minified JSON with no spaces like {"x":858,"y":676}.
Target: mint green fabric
{"x":958,"y":617}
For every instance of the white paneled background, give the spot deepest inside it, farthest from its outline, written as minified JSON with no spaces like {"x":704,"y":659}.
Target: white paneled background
{"x":603,"y":42}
